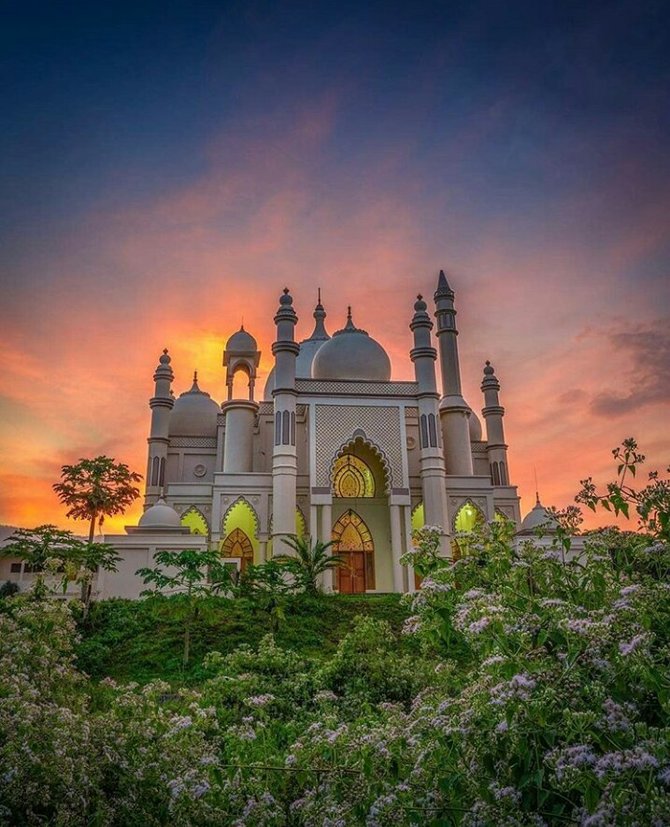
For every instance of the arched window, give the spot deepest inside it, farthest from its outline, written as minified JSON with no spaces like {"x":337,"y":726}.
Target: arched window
{"x":240,"y":516}
{"x":495,"y":474}
{"x":352,"y":478}
{"x":196,"y":523}
{"x":424,"y":431}
{"x":161,"y":472}
{"x":285,"y":426}
{"x":353,"y":542}
{"x":432,"y":431}
{"x":238,"y":544}
{"x":154,"y":470}
{"x":278,"y":428}
{"x":467,"y":519}
{"x":503,"y":474}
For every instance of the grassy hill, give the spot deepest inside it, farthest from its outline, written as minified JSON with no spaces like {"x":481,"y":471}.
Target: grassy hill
{"x":142,"y":640}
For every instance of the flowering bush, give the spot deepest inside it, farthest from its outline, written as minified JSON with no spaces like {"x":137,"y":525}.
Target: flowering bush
{"x":538,"y":694}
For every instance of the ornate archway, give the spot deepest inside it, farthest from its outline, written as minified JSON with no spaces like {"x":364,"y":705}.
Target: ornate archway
{"x":353,"y":542}
{"x":237,"y":544}
{"x":195,"y":520}
{"x":467,"y":519}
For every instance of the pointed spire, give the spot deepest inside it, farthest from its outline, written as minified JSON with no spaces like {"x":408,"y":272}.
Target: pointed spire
{"x":350,"y":324}
{"x":443,"y":288}
{"x":319,"y":314}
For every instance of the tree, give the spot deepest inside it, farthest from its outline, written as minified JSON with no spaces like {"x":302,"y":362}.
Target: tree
{"x":267,"y":585}
{"x":652,"y":502}
{"x":311,"y":560}
{"x":94,"y":489}
{"x":47,"y":549}
{"x":190,"y":572}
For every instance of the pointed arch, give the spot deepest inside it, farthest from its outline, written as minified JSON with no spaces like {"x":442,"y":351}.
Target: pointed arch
{"x":418,"y":516}
{"x":240,"y":502}
{"x":240,"y":519}
{"x":195,"y":520}
{"x":237,"y":544}
{"x":352,"y":477}
{"x":466,"y":520}
{"x":353,"y":542}
{"x":361,"y":439}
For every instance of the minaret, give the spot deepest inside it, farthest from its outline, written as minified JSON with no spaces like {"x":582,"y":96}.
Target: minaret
{"x":284,"y":460}
{"x":493,"y":414}
{"x":431,"y":457}
{"x":161,"y":404}
{"x":454,"y":410}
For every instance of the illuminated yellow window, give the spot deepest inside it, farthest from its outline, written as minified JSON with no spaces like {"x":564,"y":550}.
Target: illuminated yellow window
{"x":352,"y":478}
{"x":195,"y":522}
{"x":468,"y":518}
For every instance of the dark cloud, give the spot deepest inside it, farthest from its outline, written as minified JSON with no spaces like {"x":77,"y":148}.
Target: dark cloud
{"x":640,"y":366}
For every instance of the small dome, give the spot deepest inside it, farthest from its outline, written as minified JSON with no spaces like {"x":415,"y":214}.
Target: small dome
{"x":303,"y":365}
{"x":539,"y":517}
{"x":241,"y":342}
{"x":194,"y":413}
{"x":475,"y":425}
{"x":351,"y":354}
{"x":160,"y":515}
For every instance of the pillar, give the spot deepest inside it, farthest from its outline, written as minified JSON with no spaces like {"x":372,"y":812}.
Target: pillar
{"x":326,"y":535}
{"x":454,"y":410}
{"x":396,"y":548}
{"x":238,"y":451}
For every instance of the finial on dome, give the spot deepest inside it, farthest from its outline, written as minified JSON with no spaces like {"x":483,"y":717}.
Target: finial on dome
{"x":194,"y":386}
{"x":195,"y":376}
{"x":420,"y":305}
{"x":350,"y":324}
{"x":488,"y":369}
{"x":286,"y":299}
{"x":165,"y":359}
{"x":319,"y":315}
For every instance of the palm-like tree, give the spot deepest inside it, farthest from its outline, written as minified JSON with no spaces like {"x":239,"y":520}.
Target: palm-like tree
{"x":310,"y":560}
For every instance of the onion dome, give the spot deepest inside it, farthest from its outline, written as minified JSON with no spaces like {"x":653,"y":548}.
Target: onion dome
{"x":160,"y":515}
{"x":352,"y":354}
{"x":194,"y":413}
{"x":241,"y":342}
{"x":475,"y":426}
{"x":538,"y":518}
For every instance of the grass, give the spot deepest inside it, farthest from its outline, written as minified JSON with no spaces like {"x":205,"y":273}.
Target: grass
{"x":141,"y":640}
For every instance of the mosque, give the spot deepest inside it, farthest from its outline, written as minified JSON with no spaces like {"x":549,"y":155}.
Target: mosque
{"x":335,"y":449}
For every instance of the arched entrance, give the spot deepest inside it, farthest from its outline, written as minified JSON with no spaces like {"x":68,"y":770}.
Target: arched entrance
{"x":238,"y":544}
{"x":353,"y":542}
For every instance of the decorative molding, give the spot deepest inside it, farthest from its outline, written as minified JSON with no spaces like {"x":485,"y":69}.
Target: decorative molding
{"x":334,"y":430}
{"x":193,"y":442}
{"x":200,"y":470}
{"x":356,"y":388}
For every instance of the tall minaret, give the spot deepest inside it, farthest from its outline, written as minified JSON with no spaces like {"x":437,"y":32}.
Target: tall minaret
{"x":284,"y":460}
{"x":493,"y":414}
{"x":431,"y":457}
{"x":454,"y":410}
{"x":161,"y":404}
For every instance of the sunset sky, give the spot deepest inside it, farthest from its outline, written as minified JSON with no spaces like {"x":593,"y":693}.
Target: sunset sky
{"x":167,"y":168}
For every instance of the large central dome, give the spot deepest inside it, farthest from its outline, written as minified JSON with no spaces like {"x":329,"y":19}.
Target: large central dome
{"x":352,"y":354}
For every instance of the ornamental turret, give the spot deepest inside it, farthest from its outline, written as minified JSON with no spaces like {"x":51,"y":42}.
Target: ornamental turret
{"x":431,"y":457}
{"x":284,"y":458}
{"x":493,"y":413}
{"x":454,"y":410}
{"x":161,"y":404}
{"x":241,"y":355}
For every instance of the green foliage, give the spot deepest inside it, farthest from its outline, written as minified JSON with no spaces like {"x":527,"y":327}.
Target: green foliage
{"x":97,"y":488}
{"x":194,"y":573}
{"x":651,"y":503}
{"x":8,"y":589}
{"x":310,"y":562}
{"x":50,"y":551}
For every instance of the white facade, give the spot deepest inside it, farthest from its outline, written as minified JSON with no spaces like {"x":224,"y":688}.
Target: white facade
{"x":335,"y":448}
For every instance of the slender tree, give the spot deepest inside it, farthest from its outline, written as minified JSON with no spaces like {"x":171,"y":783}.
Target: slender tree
{"x":310,"y":561}
{"x":94,"y":489}
{"x":189,"y":573}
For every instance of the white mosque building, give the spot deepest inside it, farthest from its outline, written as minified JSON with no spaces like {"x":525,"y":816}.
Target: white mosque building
{"x":335,"y":449}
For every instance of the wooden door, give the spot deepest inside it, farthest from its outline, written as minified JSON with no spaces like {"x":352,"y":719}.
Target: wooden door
{"x":351,"y":576}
